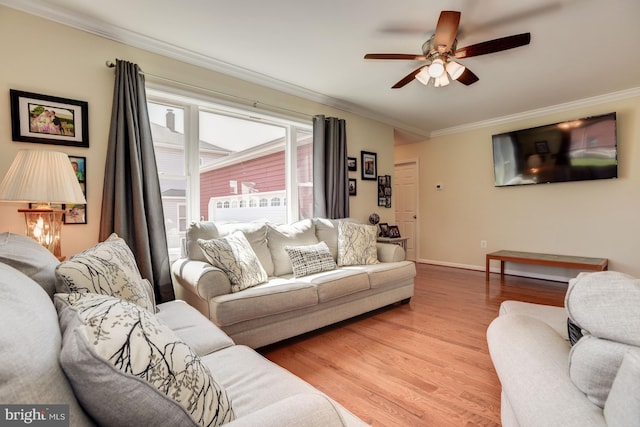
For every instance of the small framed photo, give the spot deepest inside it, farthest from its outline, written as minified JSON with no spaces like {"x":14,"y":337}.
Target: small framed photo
{"x":49,"y":119}
{"x":382,"y":201}
{"x":352,"y":164}
{"x":77,"y":214}
{"x":394,"y":231}
{"x":369,"y":162}
{"x":353,"y":187}
{"x":384,"y":229}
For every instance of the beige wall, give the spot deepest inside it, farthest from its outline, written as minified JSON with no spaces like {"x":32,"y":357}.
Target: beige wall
{"x":590,"y":218}
{"x":48,"y":58}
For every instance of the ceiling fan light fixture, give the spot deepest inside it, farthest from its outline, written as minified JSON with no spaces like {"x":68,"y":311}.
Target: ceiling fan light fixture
{"x":423,"y":76}
{"x":436,"y":69}
{"x":441,"y":81}
{"x":455,"y":70}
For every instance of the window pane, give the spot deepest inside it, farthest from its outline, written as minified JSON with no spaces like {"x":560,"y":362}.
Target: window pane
{"x":167,"y":125}
{"x":167,"y":129}
{"x":304,"y":173}
{"x":245,"y":162}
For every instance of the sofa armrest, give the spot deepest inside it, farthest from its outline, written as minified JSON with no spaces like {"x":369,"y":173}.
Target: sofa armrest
{"x":308,"y":409}
{"x":389,"y":252}
{"x":200,"y":278}
{"x":532,"y":363}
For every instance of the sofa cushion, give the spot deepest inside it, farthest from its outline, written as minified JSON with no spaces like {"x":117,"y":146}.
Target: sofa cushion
{"x":605,"y":304}
{"x":388,"y":274}
{"x":273,"y":297}
{"x":233,"y":254}
{"x":357,"y":244}
{"x":337,"y":283}
{"x":30,"y":344}
{"x":108,"y":268}
{"x":127,"y":368}
{"x":593,"y":365}
{"x":28,"y":256}
{"x":622,"y":407}
{"x":200,"y":334}
{"x":310,"y":259}
{"x":300,"y":233}
{"x":267,"y":394}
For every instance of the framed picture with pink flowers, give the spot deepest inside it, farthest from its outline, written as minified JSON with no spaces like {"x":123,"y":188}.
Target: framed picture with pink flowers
{"x":48,"y":119}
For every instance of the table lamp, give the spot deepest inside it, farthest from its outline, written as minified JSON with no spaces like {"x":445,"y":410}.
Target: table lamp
{"x":43,"y":177}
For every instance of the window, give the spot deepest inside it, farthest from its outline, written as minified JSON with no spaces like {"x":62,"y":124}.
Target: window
{"x":228,"y":164}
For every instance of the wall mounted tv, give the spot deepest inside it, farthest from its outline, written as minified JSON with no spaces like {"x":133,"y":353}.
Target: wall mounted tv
{"x":575,"y":150}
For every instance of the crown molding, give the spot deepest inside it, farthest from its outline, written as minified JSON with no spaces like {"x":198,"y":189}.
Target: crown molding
{"x":586,"y":102}
{"x":93,"y":26}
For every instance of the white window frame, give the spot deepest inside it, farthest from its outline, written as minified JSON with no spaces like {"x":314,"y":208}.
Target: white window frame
{"x":192,"y":103}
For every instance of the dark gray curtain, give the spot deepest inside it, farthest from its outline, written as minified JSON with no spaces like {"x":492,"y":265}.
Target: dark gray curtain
{"x":131,"y":203}
{"x":330,"y":173}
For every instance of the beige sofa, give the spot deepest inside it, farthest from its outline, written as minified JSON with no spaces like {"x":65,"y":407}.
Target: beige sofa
{"x":547,"y":381}
{"x":36,"y":374}
{"x":285,"y":306}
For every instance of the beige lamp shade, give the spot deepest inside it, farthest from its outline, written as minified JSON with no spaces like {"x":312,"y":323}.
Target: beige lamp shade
{"x":42,"y":176}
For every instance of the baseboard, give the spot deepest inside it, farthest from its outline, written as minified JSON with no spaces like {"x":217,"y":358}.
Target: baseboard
{"x":508,"y":271}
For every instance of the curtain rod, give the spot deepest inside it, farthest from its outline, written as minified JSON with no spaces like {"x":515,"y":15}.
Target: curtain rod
{"x":254,"y":103}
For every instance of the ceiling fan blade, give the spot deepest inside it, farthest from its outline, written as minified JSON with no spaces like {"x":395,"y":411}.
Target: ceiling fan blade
{"x":446,"y":29}
{"x":493,"y":46}
{"x":468,"y":78}
{"x":395,"y":56}
{"x":408,"y":79}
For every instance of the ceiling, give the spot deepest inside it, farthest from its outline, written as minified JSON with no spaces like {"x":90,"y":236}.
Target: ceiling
{"x":579,"y":49}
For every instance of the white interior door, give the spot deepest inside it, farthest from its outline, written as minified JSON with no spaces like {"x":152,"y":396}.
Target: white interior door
{"x":405,"y":192}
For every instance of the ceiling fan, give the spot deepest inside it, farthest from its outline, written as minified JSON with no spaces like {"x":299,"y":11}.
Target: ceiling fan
{"x":441,"y":50}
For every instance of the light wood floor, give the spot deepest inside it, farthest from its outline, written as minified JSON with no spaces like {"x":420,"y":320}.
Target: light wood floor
{"x":421,"y":364}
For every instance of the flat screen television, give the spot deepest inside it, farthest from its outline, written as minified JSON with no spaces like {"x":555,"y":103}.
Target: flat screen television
{"x":575,"y":150}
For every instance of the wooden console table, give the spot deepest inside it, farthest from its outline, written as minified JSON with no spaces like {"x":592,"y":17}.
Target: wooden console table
{"x":567,"y":261}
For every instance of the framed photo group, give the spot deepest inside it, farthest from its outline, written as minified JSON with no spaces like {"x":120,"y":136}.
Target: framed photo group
{"x":384,"y":191}
{"x":387,"y":230}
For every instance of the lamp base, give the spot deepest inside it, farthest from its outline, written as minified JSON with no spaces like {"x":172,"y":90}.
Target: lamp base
{"x":44,"y":226}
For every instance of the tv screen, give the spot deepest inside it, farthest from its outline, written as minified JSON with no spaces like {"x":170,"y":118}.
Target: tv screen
{"x":575,"y":150}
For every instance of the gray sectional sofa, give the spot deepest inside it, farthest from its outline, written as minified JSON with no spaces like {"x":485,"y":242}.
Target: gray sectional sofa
{"x":46,"y":360}
{"x":592,"y":379}
{"x":287,"y":304}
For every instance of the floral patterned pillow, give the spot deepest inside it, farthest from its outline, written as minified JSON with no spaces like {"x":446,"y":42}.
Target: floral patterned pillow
{"x":109,"y":268}
{"x":357,"y":244}
{"x":233,"y":255}
{"x":128,"y":368}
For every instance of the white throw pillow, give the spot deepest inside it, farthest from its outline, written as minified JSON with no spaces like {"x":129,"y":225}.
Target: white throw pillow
{"x":233,"y":255}
{"x":357,"y":244}
{"x":109,"y":268}
{"x":128,"y":368}
{"x":310,"y":259}
{"x":605,"y":304}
